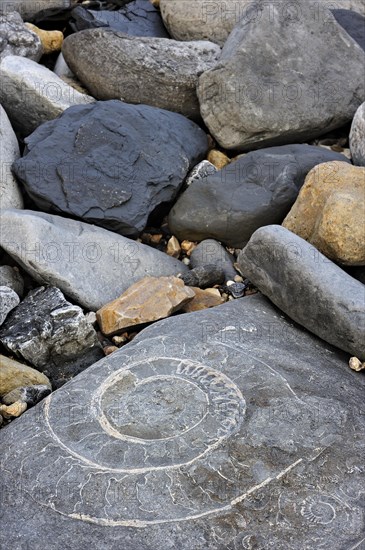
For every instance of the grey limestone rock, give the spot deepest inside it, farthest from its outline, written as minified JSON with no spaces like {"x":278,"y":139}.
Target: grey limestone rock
{"x":212,"y":252}
{"x":8,"y":301}
{"x":357,"y":137}
{"x":29,"y":8}
{"x":17,"y":39}
{"x":12,"y":278}
{"x":10,"y":194}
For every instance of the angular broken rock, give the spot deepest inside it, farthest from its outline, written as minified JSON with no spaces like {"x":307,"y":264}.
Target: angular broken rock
{"x":16,"y":375}
{"x":257,"y":96}
{"x":188,"y":437}
{"x":17,"y":39}
{"x":357,"y":137}
{"x":91,"y":265}
{"x":203,"y":299}
{"x":51,"y":334}
{"x":143,"y":70}
{"x":307,"y":286}
{"x":10,"y":194}
{"x":148,"y":300}
{"x":32,"y":94}
{"x":330,"y":212}
{"x":110,"y":163}
{"x":8,"y":301}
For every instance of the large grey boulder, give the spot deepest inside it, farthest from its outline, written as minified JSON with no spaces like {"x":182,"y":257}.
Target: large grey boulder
{"x":307,"y":286}
{"x":10,"y":194}
{"x":357,"y":137}
{"x":223,"y":430}
{"x":152,"y":71}
{"x":110,"y":163}
{"x":29,"y":8}
{"x":52,"y":334}
{"x":8,"y":301}
{"x":17,"y":39}
{"x":262,"y":93}
{"x":255,"y":190}
{"x":32,"y":94}
{"x":89,"y":264}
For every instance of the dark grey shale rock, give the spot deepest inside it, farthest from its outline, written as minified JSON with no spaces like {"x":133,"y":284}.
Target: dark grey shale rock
{"x":51,"y":334}
{"x":152,"y":71}
{"x":257,"y":189}
{"x":11,"y":278}
{"x":307,"y":286}
{"x":216,"y":430}
{"x":29,"y":8}
{"x":10,"y":194}
{"x":110,"y":163}
{"x":353,"y":23}
{"x":212,"y":252}
{"x":263,"y":93}
{"x":8,"y":301}
{"x":138,"y":18}
{"x":89,"y":264}
{"x":17,"y":39}
{"x":357,"y":137}
{"x":32,"y":94}
{"x":204,"y":276}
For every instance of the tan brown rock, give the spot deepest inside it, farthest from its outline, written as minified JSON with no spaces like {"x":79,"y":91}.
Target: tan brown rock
{"x":150,"y":299}
{"x":51,"y":40}
{"x":14,"y":410}
{"x":356,"y":365}
{"x":188,"y":246}
{"x":218,"y":159}
{"x":15,"y":375}
{"x":330,"y":212}
{"x":204,"y":299}
{"x":173,"y":247}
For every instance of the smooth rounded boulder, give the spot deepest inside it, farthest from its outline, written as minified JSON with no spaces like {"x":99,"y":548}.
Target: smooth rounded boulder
{"x":357,"y":137}
{"x":10,"y":193}
{"x":29,"y":8}
{"x":110,"y":163}
{"x":263,"y":93}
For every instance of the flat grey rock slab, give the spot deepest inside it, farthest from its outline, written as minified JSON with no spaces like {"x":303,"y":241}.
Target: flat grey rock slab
{"x":8,"y":301}
{"x":10,"y":194}
{"x":223,"y":429}
{"x":255,"y":190}
{"x":89,"y":264}
{"x":32,"y":94}
{"x":307,"y":286}
{"x":29,"y":8}
{"x":261,"y":93}
{"x":357,"y":137}
{"x":143,"y":70}
{"x":17,"y":39}
{"x":110,"y":163}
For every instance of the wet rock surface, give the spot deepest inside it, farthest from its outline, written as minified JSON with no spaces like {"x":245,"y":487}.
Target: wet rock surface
{"x":196,"y":400}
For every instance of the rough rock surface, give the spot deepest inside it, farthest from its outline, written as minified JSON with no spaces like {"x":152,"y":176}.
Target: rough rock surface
{"x":32,"y":94}
{"x":51,"y":334}
{"x":138,"y":18}
{"x":201,"y":170}
{"x":308,"y":287}
{"x":353,"y":23}
{"x":151,"y":71}
{"x":204,"y":276}
{"x":29,"y":8}
{"x":91,"y":265}
{"x":203,"y":299}
{"x":110,"y":163}
{"x":357,"y":137}
{"x":10,"y":194}
{"x":11,"y":277}
{"x":261,"y":94}
{"x":188,"y":436}
{"x":255,"y":190}
{"x":212,"y":252}
{"x":31,"y":395}
{"x":330,"y":212}
{"x":8,"y":301}
{"x":16,"y":375}
{"x":17,"y":39}
{"x":150,"y":299}
{"x":51,"y":40}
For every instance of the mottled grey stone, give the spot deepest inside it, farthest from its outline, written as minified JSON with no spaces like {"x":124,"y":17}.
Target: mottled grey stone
{"x":29,"y":8}
{"x":261,"y":94}
{"x":8,"y":301}
{"x":110,"y":163}
{"x":52,"y":334}
{"x":201,"y":170}
{"x":255,"y":190}
{"x":10,"y":194}
{"x":32,"y":94}
{"x":91,"y":265}
{"x":31,"y":395}
{"x":357,"y":137}
{"x":17,"y":39}
{"x":204,"y":276}
{"x":11,"y":277}
{"x":212,"y":252}
{"x":226,"y":429}
{"x":151,"y":71}
{"x":307,"y":286}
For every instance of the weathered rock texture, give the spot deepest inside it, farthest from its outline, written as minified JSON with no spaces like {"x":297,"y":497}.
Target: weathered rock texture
{"x":51,"y":40}
{"x":17,"y":39}
{"x":212,"y":252}
{"x":15,"y":375}
{"x":308,"y":287}
{"x":29,"y":8}
{"x":263,"y":93}
{"x":91,"y":265}
{"x":8,"y":301}
{"x":51,"y":334}
{"x":152,"y":71}
{"x":357,"y":137}
{"x":330,"y":212}
{"x":10,"y":194}
{"x":110,"y":163}
{"x":11,"y":277}
{"x":353,"y":23}
{"x":203,"y":299}
{"x":148,"y":300}
{"x":191,"y":435}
